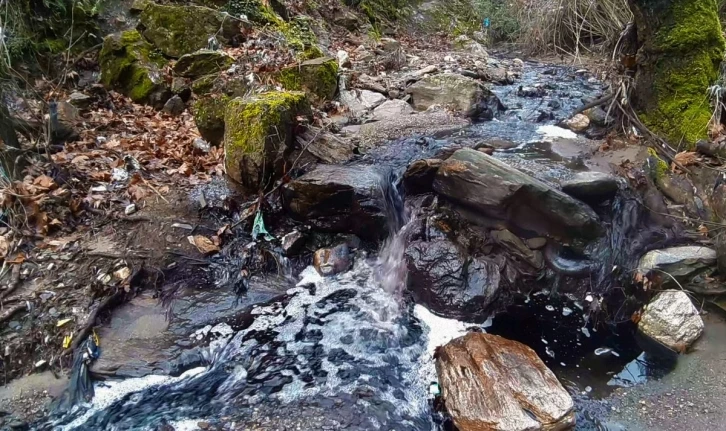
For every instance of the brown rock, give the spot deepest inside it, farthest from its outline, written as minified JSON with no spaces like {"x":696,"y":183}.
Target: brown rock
{"x":331,"y":261}
{"x":490,"y":383}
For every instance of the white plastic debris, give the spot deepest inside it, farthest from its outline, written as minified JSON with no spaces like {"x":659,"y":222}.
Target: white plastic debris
{"x":130,"y":209}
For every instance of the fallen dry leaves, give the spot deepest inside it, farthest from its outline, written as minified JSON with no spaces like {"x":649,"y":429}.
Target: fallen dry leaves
{"x":203,"y":244}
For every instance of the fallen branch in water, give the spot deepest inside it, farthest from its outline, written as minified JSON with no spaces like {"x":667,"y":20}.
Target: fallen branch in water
{"x":601,"y":101}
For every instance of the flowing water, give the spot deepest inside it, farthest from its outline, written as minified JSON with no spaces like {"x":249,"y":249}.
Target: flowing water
{"x":351,"y":351}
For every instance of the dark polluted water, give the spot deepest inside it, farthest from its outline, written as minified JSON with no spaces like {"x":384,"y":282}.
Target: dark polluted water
{"x":352,"y":352}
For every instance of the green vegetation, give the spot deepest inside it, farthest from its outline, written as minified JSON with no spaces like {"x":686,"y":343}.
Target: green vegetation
{"x":209,"y":114}
{"x":318,"y":77}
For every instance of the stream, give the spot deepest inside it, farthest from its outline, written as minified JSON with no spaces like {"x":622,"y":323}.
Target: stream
{"x":353,"y":352}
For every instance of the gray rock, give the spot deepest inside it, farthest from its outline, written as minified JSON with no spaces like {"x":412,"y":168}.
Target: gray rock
{"x":292,"y":243}
{"x":201,"y":63}
{"x":536,"y":243}
{"x":516,"y":246}
{"x":492,"y":188}
{"x":392,"y":108}
{"x":80,"y":100}
{"x":471,"y":47}
{"x":456,"y":91}
{"x":449,"y":282}
{"x":371,"y":99}
{"x":671,"y":319}
{"x":599,"y":117}
{"x":331,"y":261}
{"x":682,"y":263}
{"x":201,"y":145}
{"x":578,"y":123}
{"x":591,"y":186}
{"x":491,"y":383}
{"x":331,"y":149}
{"x":174,"y":106}
{"x":373,"y":134}
{"x":340,"y":199}
{"x":350,"y":100}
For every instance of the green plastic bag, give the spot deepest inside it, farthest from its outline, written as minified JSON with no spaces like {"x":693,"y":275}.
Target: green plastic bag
{"x":259,"y":228}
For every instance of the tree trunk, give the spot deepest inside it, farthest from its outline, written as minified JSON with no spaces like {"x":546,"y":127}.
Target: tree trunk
{"x":681,"y":49}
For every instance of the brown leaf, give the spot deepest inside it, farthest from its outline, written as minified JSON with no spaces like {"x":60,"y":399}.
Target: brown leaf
{"x":684,"y":158}
{"x":4,"y":246}
{"x":203,"y":244}
{"x":45,"y":182}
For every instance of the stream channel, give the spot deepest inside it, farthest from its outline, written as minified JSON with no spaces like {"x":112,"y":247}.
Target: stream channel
{"x":352,"y":351}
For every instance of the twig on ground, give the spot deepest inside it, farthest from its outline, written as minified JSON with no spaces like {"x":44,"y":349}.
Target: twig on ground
{"x":14,"y":283}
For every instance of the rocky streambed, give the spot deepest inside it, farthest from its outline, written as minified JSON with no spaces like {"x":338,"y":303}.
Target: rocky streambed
{"x":461,"y":276}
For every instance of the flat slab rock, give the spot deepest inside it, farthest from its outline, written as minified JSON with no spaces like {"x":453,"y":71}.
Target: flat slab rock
{"x":672,"y":319}
{"x":495,"y":189}
{"x":680,"y":262}
{"x":491,"y":383}
{"x":591,"y":186}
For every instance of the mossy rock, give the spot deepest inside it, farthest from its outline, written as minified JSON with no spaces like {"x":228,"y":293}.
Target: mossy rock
{"x":260,"y":135}
{"x":130,"y":66}
{"x":201,"y":63}
{"x":682,"y":50}
{"x":179,"y":30}
{"x":235,"y":86}
{"x":209,"y":114}
{"x":319,"y":77}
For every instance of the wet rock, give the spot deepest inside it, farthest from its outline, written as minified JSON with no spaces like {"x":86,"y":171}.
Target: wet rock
{"x":489,"y":186}
{"x":371,"y":135}
{"x":318,"y":77}
{"x":449,"y":282}
{"x":599,"y":117}
{"x":201,"y":63}
{"x":259,"y":132}
{"x":350,"y":100}
{"x":174,"y":106}
{"x":338,"y":199}
{"x":208,"y":114}
{"x":419,"y":177}
{"x":179,"y":30}
{"x":591,"y":186}
{"x":331,"y":261}
{"x":292,"y":243}
{"x":516,"y":246}
{"x":712,"y":149}
{"x":491,"y":383}
{"x":671,"y":319}
{"x":392,"y":108}
{"x":456,"y":91}
{"x":130,"y":66}
{"x":536,"y":243}
{"x":533,"y":92}
{"x":331,"y":149}
{"x":80,"y":100}
{"x":579,"y":123}
{"x":682,"y":263}
{"x":496,"y":144}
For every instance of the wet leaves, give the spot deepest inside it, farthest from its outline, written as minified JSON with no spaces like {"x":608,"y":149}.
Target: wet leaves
{"x":205,"y":245}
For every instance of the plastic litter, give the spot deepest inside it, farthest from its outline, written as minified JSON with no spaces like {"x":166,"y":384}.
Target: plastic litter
{"x":80,"y":388}
{"x":259,"y":228}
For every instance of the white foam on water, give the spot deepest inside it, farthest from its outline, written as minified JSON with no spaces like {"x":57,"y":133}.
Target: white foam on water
{"x":552,"y":132}
{"x":107,"y":393}
{"x":441,"y":329}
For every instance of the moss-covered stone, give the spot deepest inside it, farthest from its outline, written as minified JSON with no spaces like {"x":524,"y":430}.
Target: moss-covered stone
{"x":680,"y":57}
{"x":209,"y":114}
{"x":201,"y":63}
{"x":319,"y":77}
{"x":259,"y":136}
{"x":130,"y":66}
{"x":179,"y":30}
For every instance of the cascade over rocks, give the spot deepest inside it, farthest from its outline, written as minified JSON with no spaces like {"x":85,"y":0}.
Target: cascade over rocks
{"x":259,"y":135}
{"x":130,"y":66}
{"x":338,"y":199}
{"x":483,"y":183}
{"x":178,"y":30}
{"x":491,"y":383}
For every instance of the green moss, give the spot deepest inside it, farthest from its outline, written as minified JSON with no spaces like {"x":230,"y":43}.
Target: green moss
{"x":319,"y":77}
{"x":128,"y":64}
{"x":209,"y":115}
{"x":179,"y":30}
{"x":657,"y":167}
{"x":201,"y":63}
{"x":689,"y":47}
{"x":257,"y":131}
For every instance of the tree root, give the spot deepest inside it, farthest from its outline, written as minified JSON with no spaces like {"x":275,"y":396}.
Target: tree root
{"x":83,"y":332}
{"x":12,"y":311}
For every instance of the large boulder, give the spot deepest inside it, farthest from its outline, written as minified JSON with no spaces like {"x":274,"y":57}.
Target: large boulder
{"x":494,"y":189}
{"x":338,"y":199}
{"x":671,"y":319}
{"x":318,"y":77}
{"x":450,"y":282}
{"x":259,"y":133}
{"x":491,"y":383}
{"x":392,"y":109}
{"x":451,"y":90}
{"x":201,"y":63}
{"x":209,"y":114}
{"x":681,"y":263}
{"x":178,"y":30}
{"x":130,"y":66}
